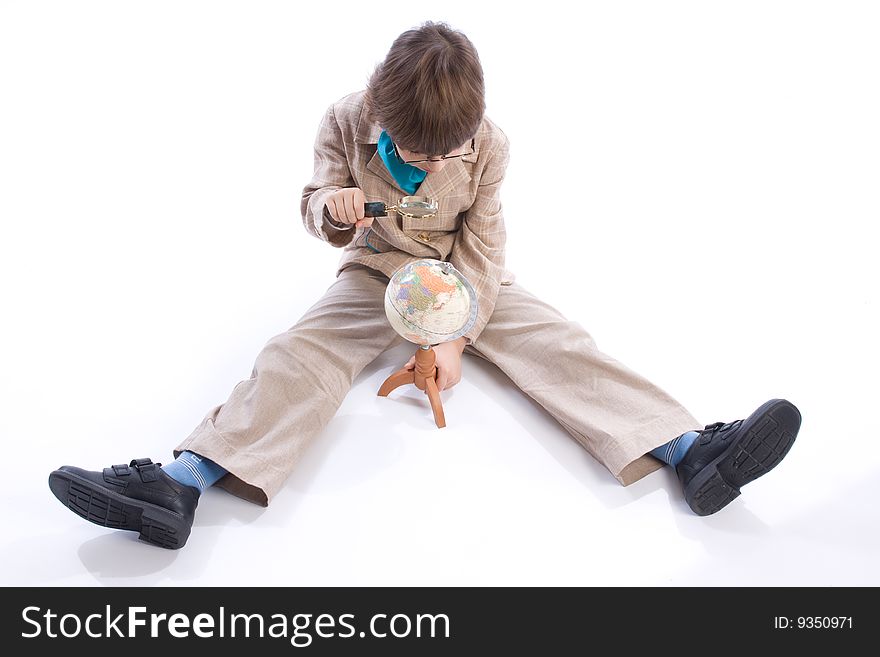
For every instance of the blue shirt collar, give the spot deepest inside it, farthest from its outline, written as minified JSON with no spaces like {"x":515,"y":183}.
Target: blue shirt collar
{"x":407,"y":176}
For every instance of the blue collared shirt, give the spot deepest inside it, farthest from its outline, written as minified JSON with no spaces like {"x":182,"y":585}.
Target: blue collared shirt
{"x":407,"y":176}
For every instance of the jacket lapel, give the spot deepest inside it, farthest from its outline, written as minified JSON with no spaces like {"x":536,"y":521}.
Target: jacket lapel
{"x":438,"y":183}
{"x":377,"y":167}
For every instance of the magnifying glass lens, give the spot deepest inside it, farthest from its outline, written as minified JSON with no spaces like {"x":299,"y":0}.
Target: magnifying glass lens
{"x":418,"y":208}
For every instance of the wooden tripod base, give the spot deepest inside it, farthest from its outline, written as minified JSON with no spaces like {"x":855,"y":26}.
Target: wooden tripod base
{"x":424,"y":377}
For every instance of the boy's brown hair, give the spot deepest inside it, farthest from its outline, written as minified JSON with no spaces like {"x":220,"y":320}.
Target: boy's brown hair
{"x":428,"y":94}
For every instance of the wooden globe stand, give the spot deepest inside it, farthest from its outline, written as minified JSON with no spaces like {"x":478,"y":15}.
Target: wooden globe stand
{"x":423,"y":375}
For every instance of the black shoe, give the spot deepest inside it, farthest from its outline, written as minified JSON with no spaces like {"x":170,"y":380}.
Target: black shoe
{"x":727,"y":456}
{"x":139,"y":497}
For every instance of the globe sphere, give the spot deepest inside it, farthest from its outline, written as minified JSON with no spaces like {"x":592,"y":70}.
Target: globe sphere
{"x":429,"y":301}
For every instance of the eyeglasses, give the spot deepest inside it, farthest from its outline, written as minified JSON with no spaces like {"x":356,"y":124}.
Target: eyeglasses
{"x":439,"y":158}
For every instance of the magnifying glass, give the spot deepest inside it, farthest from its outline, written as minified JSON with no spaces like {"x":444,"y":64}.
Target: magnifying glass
{"x":413,"y":207}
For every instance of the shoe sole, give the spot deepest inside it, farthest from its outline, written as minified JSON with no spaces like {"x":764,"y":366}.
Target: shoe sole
{"x":764,"y":439}
{"x":105,"y":507}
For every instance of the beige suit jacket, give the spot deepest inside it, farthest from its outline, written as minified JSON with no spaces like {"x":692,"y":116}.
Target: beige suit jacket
{"x":468,"y":231}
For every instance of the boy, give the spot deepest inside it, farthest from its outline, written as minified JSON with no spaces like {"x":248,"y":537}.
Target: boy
{"x":419,"y":128}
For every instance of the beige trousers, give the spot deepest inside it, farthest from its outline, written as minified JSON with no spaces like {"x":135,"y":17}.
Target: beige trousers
{"x":302,"y":375}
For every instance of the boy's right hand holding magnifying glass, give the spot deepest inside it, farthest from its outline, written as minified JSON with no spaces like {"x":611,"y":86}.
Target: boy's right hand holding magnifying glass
{"x":346,"y":206}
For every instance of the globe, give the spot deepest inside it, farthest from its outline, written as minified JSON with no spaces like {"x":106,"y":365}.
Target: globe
{"x":429,"y":301}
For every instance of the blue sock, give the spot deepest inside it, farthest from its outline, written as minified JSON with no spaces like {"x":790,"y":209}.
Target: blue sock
{"x":673,"y":451}
{"x":194,"y":470}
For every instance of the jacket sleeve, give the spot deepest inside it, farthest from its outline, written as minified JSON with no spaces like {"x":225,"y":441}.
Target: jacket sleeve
{"x":331,"y":173}
{"x":478,"y":251}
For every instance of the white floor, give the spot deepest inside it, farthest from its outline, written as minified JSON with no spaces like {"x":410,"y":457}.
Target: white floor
{"x":501,"y":496}
{"x":717,"y":237}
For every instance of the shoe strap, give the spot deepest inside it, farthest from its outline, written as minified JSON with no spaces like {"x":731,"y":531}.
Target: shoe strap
{"x":709,"y":432}
{"x":146,"y":469}
{"x":121,"y":470}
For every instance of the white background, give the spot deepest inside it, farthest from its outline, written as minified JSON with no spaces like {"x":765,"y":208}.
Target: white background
{"x":696,"y":183}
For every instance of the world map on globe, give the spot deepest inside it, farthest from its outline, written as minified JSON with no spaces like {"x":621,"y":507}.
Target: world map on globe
{"x":429,"y":301}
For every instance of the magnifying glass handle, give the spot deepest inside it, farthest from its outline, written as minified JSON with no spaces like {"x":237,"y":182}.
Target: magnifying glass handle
{"x":377,"y":209}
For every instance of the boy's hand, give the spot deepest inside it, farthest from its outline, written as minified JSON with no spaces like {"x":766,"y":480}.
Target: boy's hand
{"x":346,"y":206}
{"x":447,"y":361}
